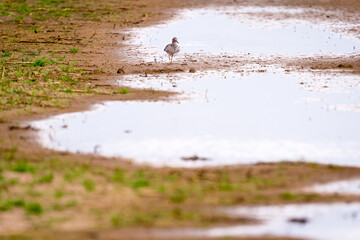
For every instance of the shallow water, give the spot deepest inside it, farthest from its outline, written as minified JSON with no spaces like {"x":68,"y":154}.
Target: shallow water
{"x":245,"y":116}
{"x":351,"y":186}
{"x":310,"y":221}
{"x":242,"y":31}
{"x":228,"y":119}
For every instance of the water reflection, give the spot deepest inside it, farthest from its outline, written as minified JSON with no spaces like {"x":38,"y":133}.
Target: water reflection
{"x":310,"y":221}
{"x":243,"y":30}
{"x":234,"y":118}
{"x":351,"y":186}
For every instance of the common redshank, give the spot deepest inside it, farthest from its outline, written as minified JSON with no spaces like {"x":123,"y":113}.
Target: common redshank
{"x":172,"y":49}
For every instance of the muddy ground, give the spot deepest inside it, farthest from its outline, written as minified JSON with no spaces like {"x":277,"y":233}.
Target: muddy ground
{"x":64,"y":60}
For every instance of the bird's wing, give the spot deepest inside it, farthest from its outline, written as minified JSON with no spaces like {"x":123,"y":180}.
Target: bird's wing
{"x":177,"y":48}
{"x":168,"y":48}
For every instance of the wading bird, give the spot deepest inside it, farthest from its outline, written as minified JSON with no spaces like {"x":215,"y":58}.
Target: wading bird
{"x":172,"y":49}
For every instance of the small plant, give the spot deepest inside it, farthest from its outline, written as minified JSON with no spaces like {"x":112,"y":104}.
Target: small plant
{"x":123,"y":91}
{"x":225,"y":186}
{"x":65,"y":68}
{"x":140,"y":183}
{"x":178,"y":196}
{"x":47,"y":178}
{"x":140,"y":180}
{"x":68,"y":90}
{"x":59,"y":194}
{"x":31,"y":54}
{"x":68,"y":78}
{"x":72,"y":175}
{"x":100,"y":70}
{"x":333,"y":167}
{"x":288,"y":196}
{"x":74,"y":50}
{"x":18,"y":19}
{"x":115,"y":220}
{"x":23,"y":167}
{"x":61,"y":207}
{"x":6,"y":206}
{"x":313,"y":165}
{"x":61,"y":58}
{"x":6,"y":54}
{"x":39,"y":63}
{"x":34,"y":208}
{"x":18,"y":203}
{"x":118,"y":175}
{"x":89,"y":185}
{"x":10,"y":154}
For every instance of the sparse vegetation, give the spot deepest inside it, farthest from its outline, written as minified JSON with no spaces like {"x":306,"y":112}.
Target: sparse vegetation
{"x":89,"y":185}
{"x":74,"y":50}
{"x":30,"y":74}
{"x":158,"y":195}
{"x":39,"y":63}
{"x":6,"y":54}
{"x":33,"y":208}
{"x":124,"y":91}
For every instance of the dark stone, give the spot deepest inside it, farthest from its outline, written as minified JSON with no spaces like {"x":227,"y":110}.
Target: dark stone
{"x":120,"y":71}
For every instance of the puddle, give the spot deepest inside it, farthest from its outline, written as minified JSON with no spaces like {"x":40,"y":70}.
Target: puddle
{"x":339,"y":187}
{"x":233,"y":118}
{"x":310,"y":221}
{"x":242,"y":30}
{"x":226,"y":118}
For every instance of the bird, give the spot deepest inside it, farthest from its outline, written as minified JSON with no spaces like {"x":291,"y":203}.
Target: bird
{"x":172,"y":49}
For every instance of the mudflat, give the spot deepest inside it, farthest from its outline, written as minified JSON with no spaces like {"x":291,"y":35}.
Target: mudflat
{"x":63,"y":56}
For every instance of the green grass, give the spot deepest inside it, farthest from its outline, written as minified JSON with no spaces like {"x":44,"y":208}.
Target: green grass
{"x":6,"y":206}
{"x":89,"y":185}
{"x":123,"y":91}
{"x":140,"y":180}
{"x":23,"y":167}
{"x":9,"y":204}
{"x":74,"y":50}
{"x":59,"y":194}
{"x":178,"y":196}
{"x":119,"y":175}
{"x":140,"y":183}
{"x":6,"y":54}
{"x":116,"y":220}
{"x":288,"y":196}
{"x":38,"y":82}
{"x":46,"y":178}
{"x":39,"y":63}
{"x":41,"y":75}
{"x":64,"y":206}
{"x":33,"y":208}
{"x":152,"y":196}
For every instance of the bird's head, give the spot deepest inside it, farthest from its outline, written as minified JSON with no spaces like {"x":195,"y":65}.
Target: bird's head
{"x":175,"y":40}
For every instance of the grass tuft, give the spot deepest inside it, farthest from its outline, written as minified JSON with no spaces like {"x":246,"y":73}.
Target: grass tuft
{"x":74,"y":50}
{"x":6,"y":54}
{"x":178,"y":196}
{"x":23,"y":167}
{"x":123,"y":91}
{"x":89,"y":185}
{"x":39,"y":63}
{"x":34,"y":208}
